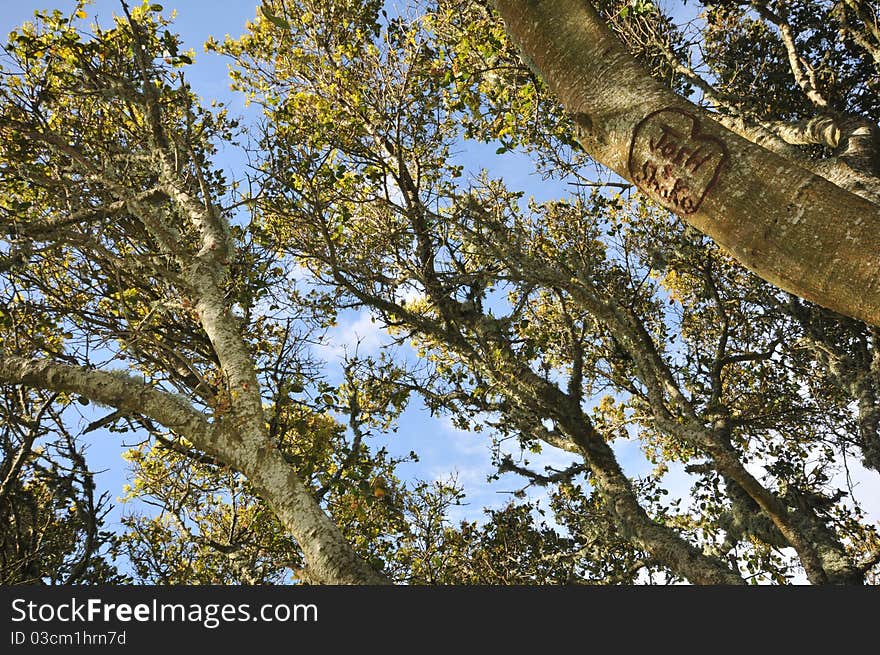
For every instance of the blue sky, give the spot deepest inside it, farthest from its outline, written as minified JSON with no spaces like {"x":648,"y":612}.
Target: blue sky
{"x":443,"y":449}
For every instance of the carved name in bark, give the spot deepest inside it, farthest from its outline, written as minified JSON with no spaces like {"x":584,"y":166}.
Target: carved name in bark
{"x":670,"y":159}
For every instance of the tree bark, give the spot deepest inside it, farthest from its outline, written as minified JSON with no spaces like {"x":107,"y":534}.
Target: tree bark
{"x":661,"y":542}
{"x":330,"y":558}
{"x":788,"y":225}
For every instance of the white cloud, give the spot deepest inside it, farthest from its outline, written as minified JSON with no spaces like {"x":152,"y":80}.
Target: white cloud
{"x":463,"y":442}
{"x":361,"y":334}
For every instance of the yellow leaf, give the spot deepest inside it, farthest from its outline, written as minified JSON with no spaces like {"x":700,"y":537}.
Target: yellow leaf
{"x":81,"y":13}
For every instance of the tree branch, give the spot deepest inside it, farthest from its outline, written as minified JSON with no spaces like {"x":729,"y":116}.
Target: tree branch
{"x":117,"y":389}
{"x":790,"y":226}
{"x":803,"y":73}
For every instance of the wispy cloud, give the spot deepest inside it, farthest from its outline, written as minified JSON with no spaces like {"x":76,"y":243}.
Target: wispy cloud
{"x":360,"y":334}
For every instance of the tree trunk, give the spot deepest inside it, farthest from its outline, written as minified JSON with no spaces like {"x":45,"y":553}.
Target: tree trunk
{"x":330,"y":558}
{"x":784,"y":223}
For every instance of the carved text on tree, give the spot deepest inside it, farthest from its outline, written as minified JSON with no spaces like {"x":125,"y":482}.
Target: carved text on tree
{"x":673,"y":161}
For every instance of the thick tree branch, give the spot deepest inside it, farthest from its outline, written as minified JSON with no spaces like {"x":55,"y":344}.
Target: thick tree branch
{"x":329,"y":555}
{"x":822,"y":555}
{"x":788,"y":225}
{"x":116,"y":389}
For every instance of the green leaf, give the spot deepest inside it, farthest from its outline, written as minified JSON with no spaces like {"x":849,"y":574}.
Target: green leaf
{"x":156,"y":7}
{"x":275,"y":20}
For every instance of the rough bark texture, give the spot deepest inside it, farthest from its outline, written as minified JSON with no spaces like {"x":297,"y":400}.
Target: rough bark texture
{"x":790,"y":226}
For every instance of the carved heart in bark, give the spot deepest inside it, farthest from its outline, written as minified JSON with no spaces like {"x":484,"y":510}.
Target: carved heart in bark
{"x":671,"y":160}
